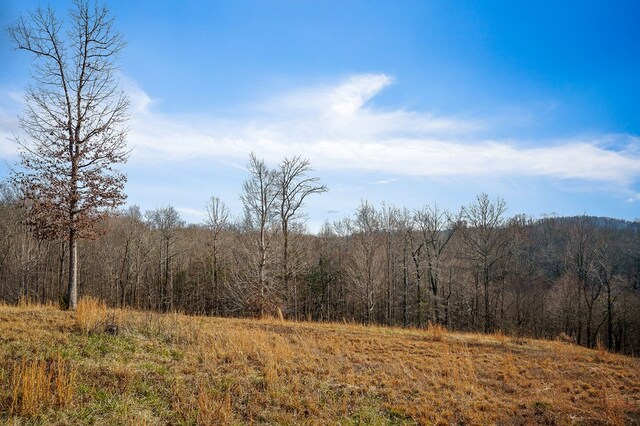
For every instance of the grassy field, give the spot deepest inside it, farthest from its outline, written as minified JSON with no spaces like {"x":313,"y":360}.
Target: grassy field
{"x":58,"y":367}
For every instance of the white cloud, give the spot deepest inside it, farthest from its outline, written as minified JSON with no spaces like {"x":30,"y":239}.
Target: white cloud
{"x":8,"y":128}
{"x":140,"y":101}
{"x":10,"y":103}
{"x":335,"y":129}
{"x":385,"y":181}
{"x":192,"y":212}
{"x":350,"y":96}
{"x":343,"y":98}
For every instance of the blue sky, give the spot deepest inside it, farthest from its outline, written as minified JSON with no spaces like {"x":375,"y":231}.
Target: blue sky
{"x":407,"y":102}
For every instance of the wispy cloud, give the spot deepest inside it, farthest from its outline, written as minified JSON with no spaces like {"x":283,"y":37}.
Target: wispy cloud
{"x":8,"y":128}
{"x":10,"y":104}
{"x":385,"y":181}
{"x":140,"y":101}
{"x":350,"y":96}
{"x":189,"y":212}
{"x":334,"y":126}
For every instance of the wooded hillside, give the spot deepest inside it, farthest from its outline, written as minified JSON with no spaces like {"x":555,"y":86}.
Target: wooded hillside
{"x":474,"y":270}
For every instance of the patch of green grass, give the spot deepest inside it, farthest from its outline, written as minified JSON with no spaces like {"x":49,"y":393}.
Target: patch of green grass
{"x":99,"y":345}
{"x":158,"y":369}
{"x":149,"y":394}
{"x":375,"y":416}
{"x":397,"y":417}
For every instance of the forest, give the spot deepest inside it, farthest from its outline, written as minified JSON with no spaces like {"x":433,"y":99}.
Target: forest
{"x":570,"y":278}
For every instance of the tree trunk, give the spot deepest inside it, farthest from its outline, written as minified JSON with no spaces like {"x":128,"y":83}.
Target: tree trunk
{"x":405,"y":319}
{"x":609,"y":317}
{"x":216,"y":288}
{"x":487,"y":314}
{"x":389,"y":320}
{"x":446,"y":300}
{"x":433,"y":278}
{"x":285,"y":268}
{"x":262,"y":277}
{"x":416,"y":262}
{"x":589,"y":321}
{"x":72,"y":295}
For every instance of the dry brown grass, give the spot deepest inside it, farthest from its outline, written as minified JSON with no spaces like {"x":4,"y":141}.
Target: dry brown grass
{"x":500,"y":336}
{"x":39,"y":384}
{"x":91,"y":313}
{"x":178,"y":369}
{"x":436,"y":331}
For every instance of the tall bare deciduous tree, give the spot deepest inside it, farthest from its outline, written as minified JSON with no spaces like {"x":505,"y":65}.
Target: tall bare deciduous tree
{"x":167,"y":221}
{"x":437,"y":227}
{"x":367,"y":262}
{"x":390,"y":220}
{"x":217,"y":218}
{"x":259,"y":196}
{"x":74,"y":124}
{"x":294,"y":186}
{"x":486,"y":238}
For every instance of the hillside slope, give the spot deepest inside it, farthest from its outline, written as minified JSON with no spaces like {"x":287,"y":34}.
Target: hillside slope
{"x":176,"y":369}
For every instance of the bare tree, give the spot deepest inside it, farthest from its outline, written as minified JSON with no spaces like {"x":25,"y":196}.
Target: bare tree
{"x":607,"y":270}
{"x":581,"y":250}
{"x":18,"y":246}
{"x":486,"y":238}
{"x":167,"y":221}
{"x":294,"y":186}
{"x":437,"y":227}
{"x":74,"y":124}
{"x":129,"y":228}
{"x":405,"y":225}
{"x":367,"y":260}
{"x":390,"y":220}
{"x":416,"y":245}
{"x":259,"y":196}
{"x":217,"y":218}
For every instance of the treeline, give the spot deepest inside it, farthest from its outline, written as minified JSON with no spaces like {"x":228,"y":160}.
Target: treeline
{"x":472,"y":270}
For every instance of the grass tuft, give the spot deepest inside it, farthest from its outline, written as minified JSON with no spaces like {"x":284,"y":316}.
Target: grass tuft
{"x":500,"y":336}
{"x":603,"y":353}
{"x":91,"y":314}
{"x":213,"y":409}
{"x":39,"y":384}
{"x":436,"y":332}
